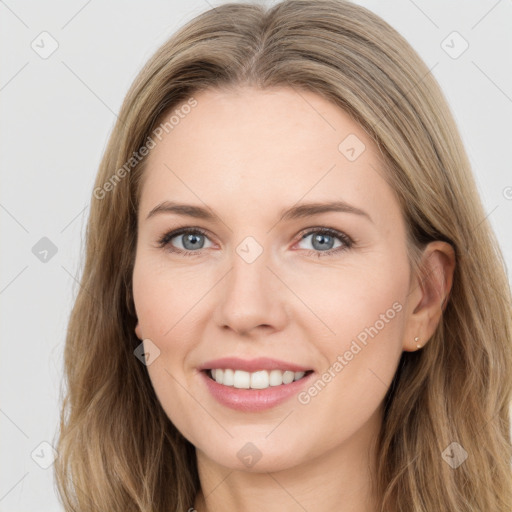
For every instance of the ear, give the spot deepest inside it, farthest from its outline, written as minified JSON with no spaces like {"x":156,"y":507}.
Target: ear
{"x":428,"y":294}
{"x":138,"y":331}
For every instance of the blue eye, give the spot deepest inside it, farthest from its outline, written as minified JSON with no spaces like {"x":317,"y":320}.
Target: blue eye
{"x":193,"y":239}
{"x":322,"y":241}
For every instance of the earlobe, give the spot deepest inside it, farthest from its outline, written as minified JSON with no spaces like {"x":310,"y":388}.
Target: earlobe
{"x":138,"y":332}
{"x":431,"y":291}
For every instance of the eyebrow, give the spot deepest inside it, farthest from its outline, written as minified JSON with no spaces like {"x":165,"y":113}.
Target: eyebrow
{"x":295,"y":212}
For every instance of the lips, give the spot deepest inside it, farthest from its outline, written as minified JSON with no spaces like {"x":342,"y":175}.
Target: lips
{"x":253,"y":385}
{"x":253,"y":365}
{"x":253,"y":400}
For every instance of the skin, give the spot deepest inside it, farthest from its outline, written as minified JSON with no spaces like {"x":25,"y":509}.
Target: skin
{"x":247,"y":154}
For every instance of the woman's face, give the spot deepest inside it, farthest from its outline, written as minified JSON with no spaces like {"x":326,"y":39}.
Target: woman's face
{"x":262,"y":292}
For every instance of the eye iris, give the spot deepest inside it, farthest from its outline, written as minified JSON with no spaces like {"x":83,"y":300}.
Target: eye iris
{"x":192,"y":238}
{"x":320,"y":238}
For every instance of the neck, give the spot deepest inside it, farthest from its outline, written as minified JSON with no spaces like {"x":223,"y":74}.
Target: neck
{"x":337,"y":480}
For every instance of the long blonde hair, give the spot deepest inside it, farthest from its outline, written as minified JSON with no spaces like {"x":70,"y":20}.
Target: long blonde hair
{"x":118,"y":451}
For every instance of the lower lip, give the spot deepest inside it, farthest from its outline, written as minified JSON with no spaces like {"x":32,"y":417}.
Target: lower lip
{"x":253,"y":400}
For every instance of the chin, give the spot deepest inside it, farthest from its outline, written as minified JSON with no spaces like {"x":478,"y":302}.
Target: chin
{"x":254,"y":457}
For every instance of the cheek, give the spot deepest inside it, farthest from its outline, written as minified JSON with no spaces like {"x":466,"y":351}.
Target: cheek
{"x":148,"y":296}
{"x":360,"y":360}
{"x":371,"y":320}
{"x":365,"y":310}
{"x":350,"y":300}
{"x":161,"y":295}
{"x":170,"y":313}
{"x":161,"y":302}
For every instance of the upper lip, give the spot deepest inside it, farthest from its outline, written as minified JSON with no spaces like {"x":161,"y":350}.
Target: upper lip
{"x":252,"y":365}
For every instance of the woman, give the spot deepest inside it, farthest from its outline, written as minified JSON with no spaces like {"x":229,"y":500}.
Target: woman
{"x":291,"y":299}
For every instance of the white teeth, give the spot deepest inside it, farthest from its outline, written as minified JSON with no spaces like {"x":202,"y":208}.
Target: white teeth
{"x":288,"y":377}
{"x":229,"y":378}
{"x":276,"y":377}
{"x":259,"y":380}
{"x":242,"y":380}
{"x":254,"y":380}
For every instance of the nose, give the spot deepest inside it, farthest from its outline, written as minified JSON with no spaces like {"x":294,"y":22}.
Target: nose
{"x":252,"y":297}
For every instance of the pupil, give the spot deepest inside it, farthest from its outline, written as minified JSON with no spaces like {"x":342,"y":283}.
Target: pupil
{"x":193,"y":240}
{"x":321,"y":240}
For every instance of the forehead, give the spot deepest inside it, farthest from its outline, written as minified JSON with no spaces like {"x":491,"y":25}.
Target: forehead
{"x":249,"y":149}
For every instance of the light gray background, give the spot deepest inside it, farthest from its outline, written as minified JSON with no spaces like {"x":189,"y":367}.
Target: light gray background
{"x":56,"y":116}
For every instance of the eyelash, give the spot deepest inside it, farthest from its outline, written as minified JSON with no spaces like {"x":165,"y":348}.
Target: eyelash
{"x":163,"y":242}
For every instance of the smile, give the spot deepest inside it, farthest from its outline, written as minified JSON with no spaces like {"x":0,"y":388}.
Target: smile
{"x":261,"y":379}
